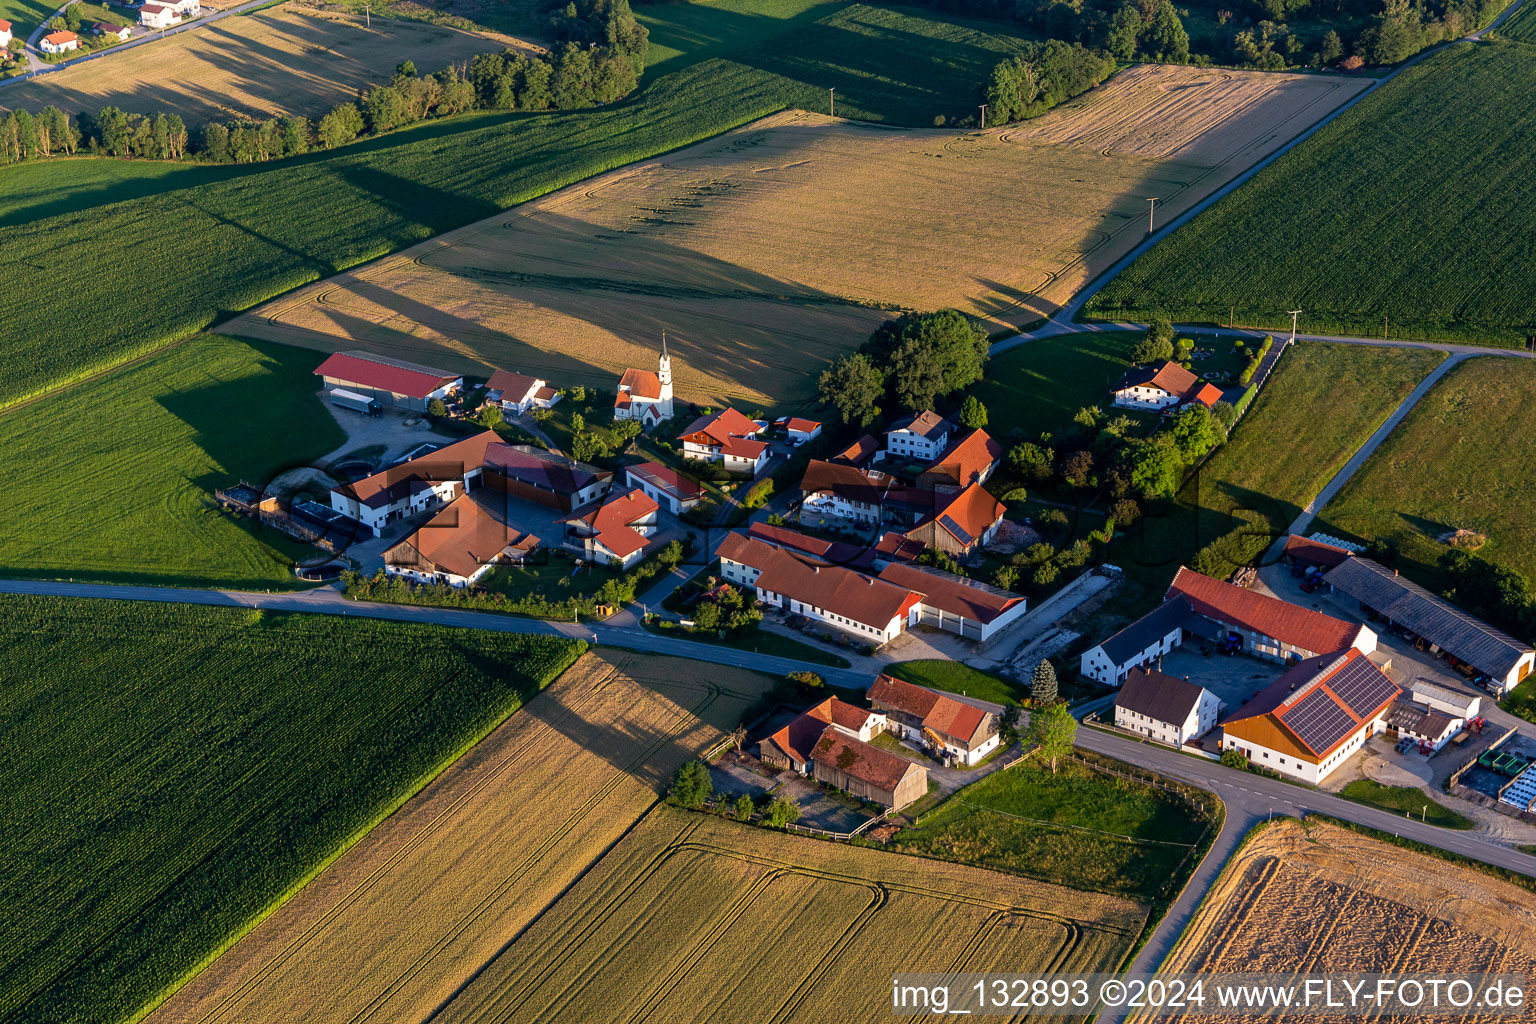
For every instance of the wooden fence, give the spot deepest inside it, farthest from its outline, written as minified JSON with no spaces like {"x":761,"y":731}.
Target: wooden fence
{"x":812,"y":830}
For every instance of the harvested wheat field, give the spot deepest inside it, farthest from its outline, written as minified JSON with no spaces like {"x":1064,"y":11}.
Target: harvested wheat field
{"x":414,"y":910}
{"x":285,"y":60}
{"x":1317,"y":898}
{"x":769,"y":250}
{"x":692,"y":918}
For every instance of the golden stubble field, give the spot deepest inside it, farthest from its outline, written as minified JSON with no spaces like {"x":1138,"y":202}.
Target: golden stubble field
{"x":285,"y":60}
{"x":768,"y":251}
{"x":1316,"y":898}
{"x":529,"y":882}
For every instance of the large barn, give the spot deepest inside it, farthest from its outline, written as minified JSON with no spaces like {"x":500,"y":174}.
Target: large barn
{"x":396,"y":384}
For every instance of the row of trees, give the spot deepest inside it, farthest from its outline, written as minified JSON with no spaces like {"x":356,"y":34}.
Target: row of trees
{"x":907,"y":363}
{"x":1045,"y":74}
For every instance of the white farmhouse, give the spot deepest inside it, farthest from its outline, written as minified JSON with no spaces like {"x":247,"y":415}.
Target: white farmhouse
{"x":517,"y":392}
{"x":1141,"y":643}
{"x":1163,"y":708}
{"x":923,"y":437}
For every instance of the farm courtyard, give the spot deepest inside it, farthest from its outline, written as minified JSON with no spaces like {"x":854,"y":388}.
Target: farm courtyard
{"x":717,"y":245}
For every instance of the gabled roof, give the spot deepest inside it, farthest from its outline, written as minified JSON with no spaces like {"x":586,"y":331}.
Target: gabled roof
{"x":898,"y":547}
{"x":968,"y":459}
{"x":56,"y":38}
{"x":879,"y":768}
{"x":460,"y":539}
{"x":860,"y":451}
{"x":1168,"y":376}
{"x":539,"y":468}
{"x":640,"y":384}
{"x":939,"y":712}
{"x":837,"y":552}
{"x":667,"y":480}
{"x":957,"y":595}
{"x":513,"y":385}
{"x":834,"y":589}
{"x":845,"y":481}
{"x":1465,"y":636}
{"x":1315,"y":552}
{"x":5,"y":26}
{"x":723,"y":424}
{"x":450,"y":463}
{"x":611,"y":521}
{"x":969,"y":514}
{"x":1313,"y":708}
{"x":1161,"y":697}
{"x":1147,"y":630}
{"x":801,"y":425}
{"x":382,"y":373}
{"x":1235,"y":606}
{"x":924,"y":424}
{"x":1206,"y":394}
{"x":799,"y":737}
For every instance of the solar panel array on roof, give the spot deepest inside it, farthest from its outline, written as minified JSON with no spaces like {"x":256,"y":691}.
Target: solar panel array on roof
{"x":1318,"y":721}
{"x":1361,"y":685}
{"x":960,"y":532}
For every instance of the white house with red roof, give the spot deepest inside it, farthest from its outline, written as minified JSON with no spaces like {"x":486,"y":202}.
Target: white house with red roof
{"x":728,"y":439}
{"x":972,"y":609}
{"x":517,"y":393}
{"x":1166,"y":386}
{"x":165,"y":13}
{"x":962,"y":732}
{"x":665,"y":486}
{"x":393,"y":382}
{"x":417,"y":486}
{"x":459,"y":545}
{"x":922,"y":436}
{"x":614,"y":531}
{"x":5,"y":33}
{"x":792,"y":746}
{"x":59,"y":42}
{"x":646,"y":396}
{"x":799,"y":429}
{"x":1266,"y":626}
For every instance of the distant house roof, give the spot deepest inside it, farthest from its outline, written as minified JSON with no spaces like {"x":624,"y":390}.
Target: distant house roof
{"x":545,"y":394}
{"x":967,"y":516}
{"x":666,"y":480}
{"x":924,"y":424}
{"x":1465,"y":636}
{"x":869,"y":764}
{"x":1315,"y":552}
{"x":539,"y":468}
{"x":1424,"y":690}
{"x":450,"y":463}
{"x":956,"y":595}
{"x":834,"y":589}
{"x":937,"y":711}
{"x":1269,"y":616}
{"x":1147,"y":630}
{"x":967,"y":460}
{"x":639,"y":384}
{"x":60,"y":38}
{"x":512,"y":385}
{"x":729,"y":431}
{"x":898,"y":547}
{"x":1312,"y":709}
{"x":1161,"y":697}
{"x":383,"y":374}
{"x":460,"y":539}
{"x":860,"y":451}
{"x":611,"y":521}
{"x":800,"y":425}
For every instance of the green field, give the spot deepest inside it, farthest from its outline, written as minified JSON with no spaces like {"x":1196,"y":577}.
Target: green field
{"x":132,"y":460}
{"x":26,"y":15}
{"x":195,"y":765}
{"x":1521,"y":26}
{"x":1321,"y":403}
{"x":1402,"y":800}
{"x":1414,"y":206}
{"x":954,"y":677}
{"x":1081,"y":827}
{"x":1040,"y":385}
{"x":1460,"y":460}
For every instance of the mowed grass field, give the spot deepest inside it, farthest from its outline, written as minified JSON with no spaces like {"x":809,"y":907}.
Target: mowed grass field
{"x":1521,"y":26}
{"x":130,"y":498}
{"x":769,"y":251}
{"x":284,"y":60}
{"x":698,"y":919}
{"x":1040,"y":385}
{"x":1462,"y":459}
{"x":1321,"y":403}
{"x":174,"y":771}
{"x":1413,"y":206}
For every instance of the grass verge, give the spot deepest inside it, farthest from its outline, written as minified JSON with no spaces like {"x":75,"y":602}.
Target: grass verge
{"x":1403,"y":800}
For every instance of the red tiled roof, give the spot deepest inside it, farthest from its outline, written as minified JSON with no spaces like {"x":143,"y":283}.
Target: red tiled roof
{"x":967,"y":460}
{"x":460,"y":539}
{"x":879,"y":768}
{"x":953,"y":594}
{"x":1207,"y":395}
{"x":450,"y":463}
{"x":59,"y":38}
{"x":973,"y":511}
{"x":1267,"y":714}
{"x":5,"y":26}
{"x":1270,"y":616}
{"x":846,"y":481}
{"x":640,"y":384}
{"x":545,"y":394}
{"x":743,"y":448}
{"x":899,"y":547}
{"x":838,"y":552}
{"x":800,"y":425}
{"x":860,"y":451}
{"x":359,"y":368}
{"x":923,"y":424}
{"x":939,"y":712}
{"x":511,"y":385}
{"x":541,"y":468}
{"x":834,"y":589}
{"x":723,"y":424}
{"x":666,"y":479}
{"x":1315,"y":552}
{"x":800,"y":736}
{"x":611,"y":521}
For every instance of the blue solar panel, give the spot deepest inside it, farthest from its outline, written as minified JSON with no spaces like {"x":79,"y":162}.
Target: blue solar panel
{"x":1362,"y":686}
{"x":1318,"y":720}
{"x":956,"y":529}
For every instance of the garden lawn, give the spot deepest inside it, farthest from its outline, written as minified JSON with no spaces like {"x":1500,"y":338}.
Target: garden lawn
{"x":1320,"y":405}
{"x":954,"y":677}
{"x":1402,"y":800}
{"x":132,"y":460}
{"x":1461,"y":459}
{"x":1348,"y":228}
{"x":1040,"y":385}
{"x":194,"y":766}
{"x":522,"y":581}
{"x":1080,"y":827}
{"x":1521,"y":701}
{"x":26,"y":15}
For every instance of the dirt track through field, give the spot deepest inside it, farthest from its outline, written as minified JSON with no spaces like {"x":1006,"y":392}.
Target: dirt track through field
{"x":1321,"y":899}
{"x":768,"y":251}
{"x":410,"y":913}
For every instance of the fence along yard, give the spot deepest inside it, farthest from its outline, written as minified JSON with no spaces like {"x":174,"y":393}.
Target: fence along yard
{"x":714,"y":244}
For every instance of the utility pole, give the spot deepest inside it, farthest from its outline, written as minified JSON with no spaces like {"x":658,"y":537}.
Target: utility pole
{"x":1294,"y":314}
{"x":831,"y":101}
{"x":368,"y":15}
{"x":1232,"y":316}
{"x":1383,"y":327}
{"x":983,"y":116}
{"x":1151,"y":205}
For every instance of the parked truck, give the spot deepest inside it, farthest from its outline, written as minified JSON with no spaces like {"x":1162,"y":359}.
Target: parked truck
{"x":354,"y":401}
